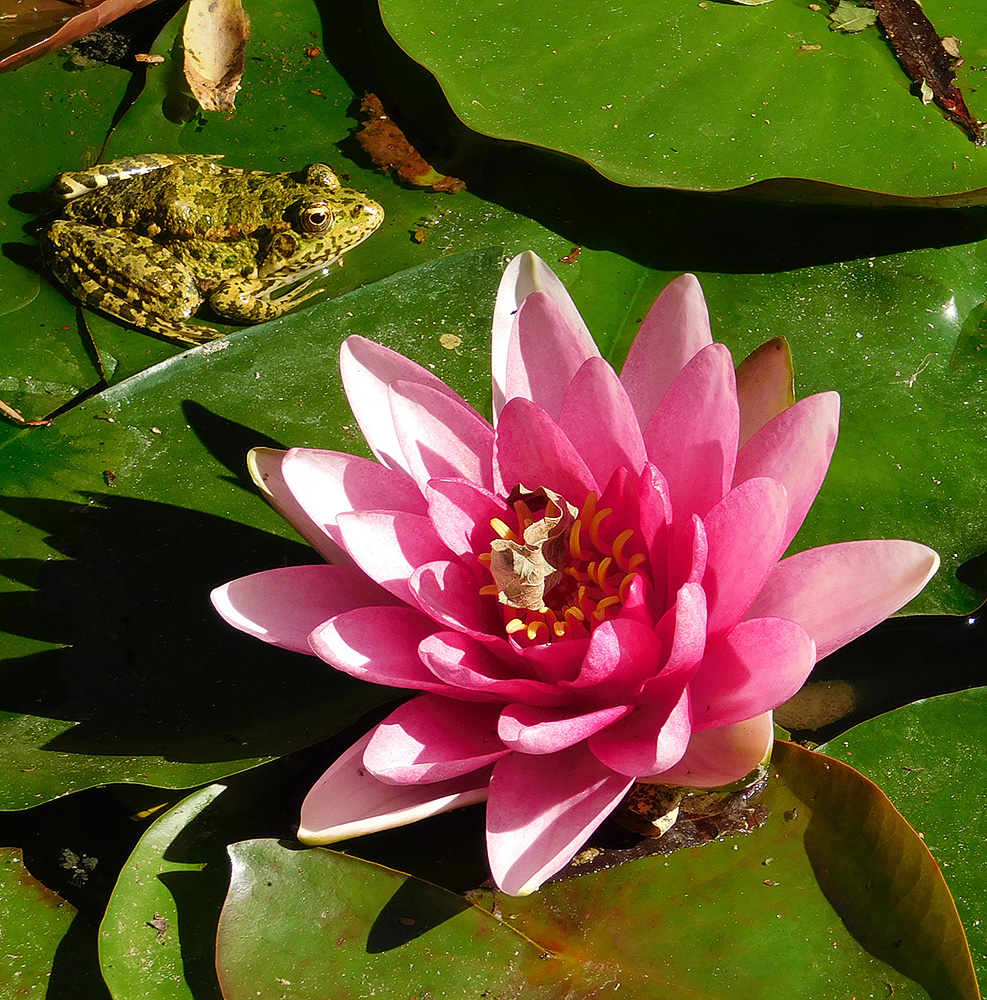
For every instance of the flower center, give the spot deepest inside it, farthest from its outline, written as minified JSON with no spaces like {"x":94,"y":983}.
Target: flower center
{"x":562,"y":570}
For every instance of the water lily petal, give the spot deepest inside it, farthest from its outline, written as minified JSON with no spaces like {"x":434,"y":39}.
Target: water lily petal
{"x":348,"y":801}
{"x":674,"y":331}
{"x":367,"y":369}
{"x":492,"y":673}
{"x":390,"y":545}
{"x":264,"y":465}
{"x":531,"y":450}
{"x":461,"y":513}
{"x":450,"y":594}
{"x":533,"y":729}
{"x":723,"y":755}
{"x":326,"y":484}
{"x":794,"y":448}
{"x":765,"y":386}
{"x":433,"y":739}
{"x":525,"y":274}
{"x":745,"y":532}
{"x":540,"y":811}
{"x":681,"y":632}
{"x":622,"y":654}
{"x":544,"y":353}
{"x":648,"y":741}
{"x":837,"y":592}
{"x":688,"y":553}
{"x":439,"y":436}
{"x":282,"y":606}
{"x":692,"y":436}
{"x":598,"y":419}
{"x":379,"y":645}
{"x":760,"y":664}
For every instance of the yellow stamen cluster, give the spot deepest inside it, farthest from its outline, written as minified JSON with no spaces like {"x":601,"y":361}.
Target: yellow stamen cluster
{"x":594,"y":584}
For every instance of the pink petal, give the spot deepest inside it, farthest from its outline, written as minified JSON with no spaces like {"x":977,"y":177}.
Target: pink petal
{"x":682,"y":634}
{"x":326,"y":484}
{"x":765,"y":386}
{"x":264,"y":465}
{"x":525,"y":274}
{"x":532,"y":451}
{"x":440,"y":437}
{"x":647,"y":742}
{"x":837,"y":592}
{"x":282,"y":606}
{"x":622,"y":654}
{"x":379,"y":645}
{"x":760,"y":664}
{"x":367,"y":369}
{"x":432,"y":739}
{"x":544,"y":353}
{"x":674,"y":331}
{"x":598,"y":419}
{"x":461,"y":513}
{"x":688,"y":553}
{"x":347,"y":801}
{"x":692,"y":436}
{"x":450,"y":594}
{"x":463,"y":663}
{"x":720,"y":756}
{"x":531,"y":729}
{"x":745,"y":531}
{"x":540,"y":811}
{"x":794,"y":448}
{"x":390,"y":545}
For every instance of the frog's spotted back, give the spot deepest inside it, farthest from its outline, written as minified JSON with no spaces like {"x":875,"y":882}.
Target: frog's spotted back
{"x":148,"y":239}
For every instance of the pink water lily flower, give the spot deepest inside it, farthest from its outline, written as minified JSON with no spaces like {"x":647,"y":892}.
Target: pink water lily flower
{"x":586,"y":593}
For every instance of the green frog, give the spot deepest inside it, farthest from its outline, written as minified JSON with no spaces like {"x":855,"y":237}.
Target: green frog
{"x":150,"y":238}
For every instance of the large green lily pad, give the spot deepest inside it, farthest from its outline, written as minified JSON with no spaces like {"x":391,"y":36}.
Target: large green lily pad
{"x":704,"y":96}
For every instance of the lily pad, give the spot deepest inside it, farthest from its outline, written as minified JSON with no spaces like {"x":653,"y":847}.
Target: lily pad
{"x":702,"y":96}
{"x":751,"y":907}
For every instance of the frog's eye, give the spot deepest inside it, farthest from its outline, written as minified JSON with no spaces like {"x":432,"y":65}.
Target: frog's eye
{"x":316,"y":219}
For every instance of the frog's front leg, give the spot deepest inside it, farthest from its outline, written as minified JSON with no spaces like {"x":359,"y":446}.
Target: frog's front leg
{"x":127,"y":276}
{"x":248,"y":300}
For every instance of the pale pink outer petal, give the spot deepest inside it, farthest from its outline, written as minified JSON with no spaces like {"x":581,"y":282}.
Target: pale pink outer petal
{"x":794,"y":448}
{"x":264,"y":465}
{"x":440,"y":437}
{"x":326,"y":484}
{"x":531,"y":450}
{"x":379,"y":645}
{"x":540,"y":811}
{"x":390,"y":545}
{"x":544,"y":353}
{"x":765,"y":386}
{"x":674,"y":331}
{"x":692,"y":436}
{"x":744,"y":531}
{"x":367,"y":369}
{"x":535,"y":730}
{"x":648,"y":741}
{"x":837,"y":592}
{"x":431,"y":738}
{"x":348,"y":801}
{"x":598,"y":419}
{"x":720,"y":756}
{"x":282,"y":606}
{"x":760,"y":664}
{"x":525,"y":274}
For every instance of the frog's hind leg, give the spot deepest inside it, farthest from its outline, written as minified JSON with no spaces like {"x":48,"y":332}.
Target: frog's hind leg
{"x":74,"y":184}
{"x":127,"y":276}
{"x":248,"y":300}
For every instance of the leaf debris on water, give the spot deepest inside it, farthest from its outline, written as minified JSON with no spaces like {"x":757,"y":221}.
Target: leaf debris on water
{"x":926,"y":60}
{"x":848,"y":17}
